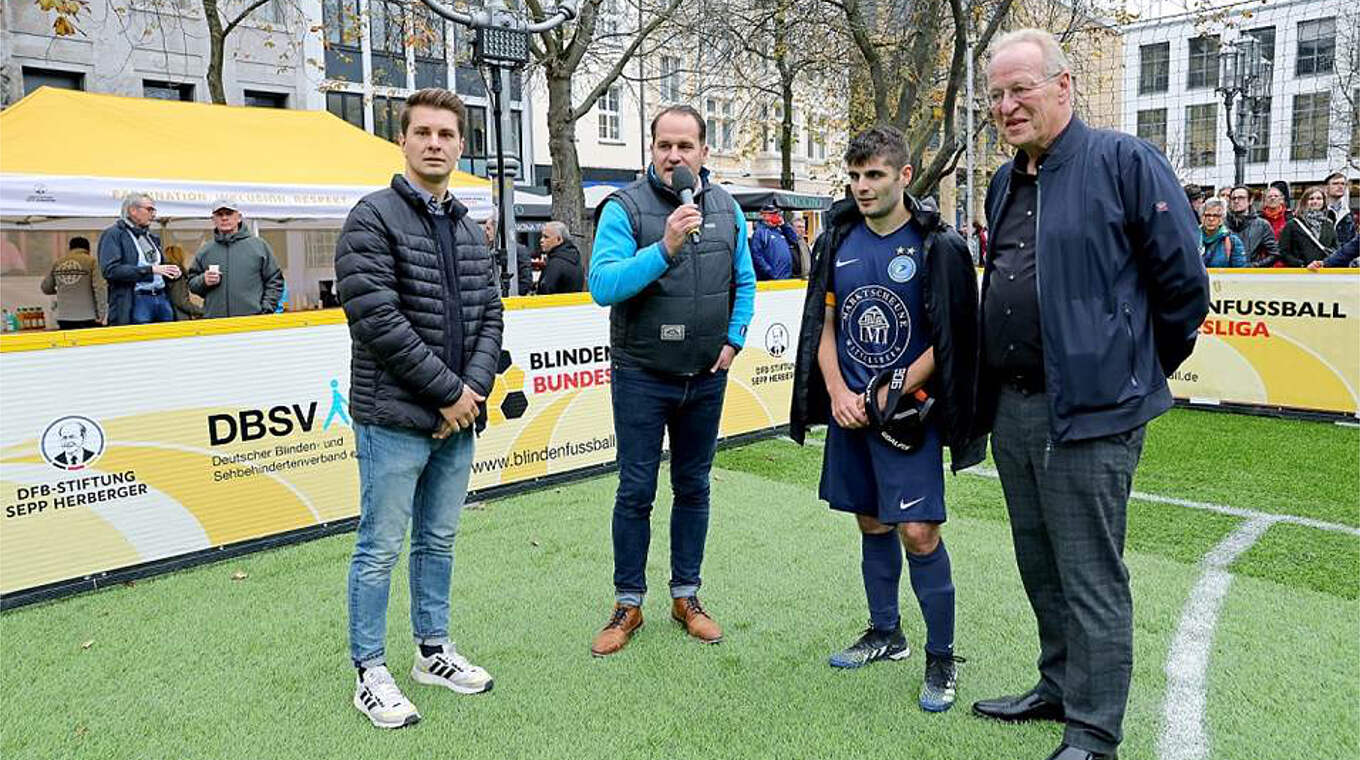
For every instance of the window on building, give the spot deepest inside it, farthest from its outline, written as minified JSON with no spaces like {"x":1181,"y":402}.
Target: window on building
{"x":1253,"y":126}
{"x":1265,"y":35}
{"x":348,"y":106}
{"x":65,"y":80}
{"x":387,"y":116}
{"x":608,"y":109}
{"x":429,"y":34}
{"x":728,"y":126}
{"x":670,"y":79}
{"x":167,"y":90}
{"x":1355,"y":125}
{"x":262,"y":99}
{"x":1154,"y":67}
{"x":1203,"y":63}
{"x":344,"y":57}
{"x":1152,"y":127}
{"x":387,"y":37}
{"x":273,"y":12}
{"x":607,"y":18}
{"x":1317,"y":47}
{"x":1312,"y":120}
{"x":475,"y":142}
{"x":1201,"y":134}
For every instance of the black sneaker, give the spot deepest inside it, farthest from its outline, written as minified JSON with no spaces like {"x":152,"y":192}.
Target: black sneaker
{"x":873,"y":645}
{"x":937,"y":690}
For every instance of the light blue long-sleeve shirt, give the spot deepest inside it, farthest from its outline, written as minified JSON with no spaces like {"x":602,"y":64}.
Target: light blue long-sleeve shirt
{"x":620,"y":270}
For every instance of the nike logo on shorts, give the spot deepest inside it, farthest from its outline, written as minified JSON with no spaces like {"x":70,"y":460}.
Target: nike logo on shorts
{"x":905,"y":505}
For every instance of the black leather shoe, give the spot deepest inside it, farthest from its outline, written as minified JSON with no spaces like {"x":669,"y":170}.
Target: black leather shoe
{"x":1067,"y":752}
{"x":1027,"y":706}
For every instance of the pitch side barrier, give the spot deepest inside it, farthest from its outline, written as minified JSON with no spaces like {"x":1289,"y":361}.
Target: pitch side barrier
{"x":130,"y":451}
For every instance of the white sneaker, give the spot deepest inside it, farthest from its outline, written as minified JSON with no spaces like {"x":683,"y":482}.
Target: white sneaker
{"x":376,"y":695}
{"x":451,"y":670}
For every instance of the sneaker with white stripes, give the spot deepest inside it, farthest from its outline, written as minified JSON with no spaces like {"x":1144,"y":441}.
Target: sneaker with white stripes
{"x":377,"y":696}
{"x":872,"y":646}
{"x":451,"y":670}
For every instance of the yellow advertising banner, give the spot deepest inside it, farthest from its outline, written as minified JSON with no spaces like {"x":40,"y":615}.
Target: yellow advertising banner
{"x":125,"y":446}
{"x":1278,"y":339}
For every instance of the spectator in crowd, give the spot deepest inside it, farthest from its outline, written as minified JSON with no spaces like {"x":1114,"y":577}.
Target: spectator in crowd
{"x":1258,"y":239}
{"x":82,"y":295}
{"x":772,"y":245}
{"x":979,"y":240}
{"x":1195,"y":194}
{"x":802,"y":259}
{"x":524,"y":260}
{"x":1219,"y":247}
{"x":1339,"y":208}
{"x":1224,"y":192}
{"x":1285,"y":192}
{"x":1274,"y":210}
{"x":562,"y":271}
{"x":1345,"y":256}
{"x":130,"y":258}
{"x":178,"y":289}
{"x":235,"y":273}
{"x":1310,"y":235}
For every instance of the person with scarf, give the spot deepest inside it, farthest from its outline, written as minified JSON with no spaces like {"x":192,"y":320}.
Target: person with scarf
{"x":1274,"y":210}
{"x":1309,"y":234}
{"x":1219,"y":247}
{"x":1258,"y":238}
{"x":130,"y":258}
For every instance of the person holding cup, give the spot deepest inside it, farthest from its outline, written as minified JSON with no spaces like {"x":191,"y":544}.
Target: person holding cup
{"x":235,"y":272}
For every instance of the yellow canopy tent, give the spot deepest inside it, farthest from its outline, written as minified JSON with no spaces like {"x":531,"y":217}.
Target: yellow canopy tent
{"x":76,"y":154}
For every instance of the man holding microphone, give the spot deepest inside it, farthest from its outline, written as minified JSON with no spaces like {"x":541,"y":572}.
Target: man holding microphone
{"x":671,"y":261}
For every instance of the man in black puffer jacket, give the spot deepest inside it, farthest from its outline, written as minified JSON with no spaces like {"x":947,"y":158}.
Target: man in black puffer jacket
{"x":420,"y":292}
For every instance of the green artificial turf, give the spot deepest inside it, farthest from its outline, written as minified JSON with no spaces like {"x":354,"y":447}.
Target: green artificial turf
{"x":197,"y":665}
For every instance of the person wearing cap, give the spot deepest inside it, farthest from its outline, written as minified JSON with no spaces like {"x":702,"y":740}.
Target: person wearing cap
{"x":235,"y":273}
{"x":772,"y":245}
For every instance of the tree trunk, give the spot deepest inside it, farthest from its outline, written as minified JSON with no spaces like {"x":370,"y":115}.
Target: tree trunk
{"x":568,"y":198}
{"x":786,"y":130}
{"x":217,"y":43}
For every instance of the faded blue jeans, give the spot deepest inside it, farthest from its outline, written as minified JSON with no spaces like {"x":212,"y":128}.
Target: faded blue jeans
{"x":406,"y":477}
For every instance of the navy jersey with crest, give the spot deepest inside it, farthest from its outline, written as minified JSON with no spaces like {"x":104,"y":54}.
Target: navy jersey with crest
{"x":879,"y":302}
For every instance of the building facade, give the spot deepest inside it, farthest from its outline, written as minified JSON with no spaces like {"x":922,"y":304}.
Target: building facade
{"x":1298,"y":113}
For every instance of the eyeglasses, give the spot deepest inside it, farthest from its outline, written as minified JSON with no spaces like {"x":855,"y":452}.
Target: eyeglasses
{"x":1020,"y":91}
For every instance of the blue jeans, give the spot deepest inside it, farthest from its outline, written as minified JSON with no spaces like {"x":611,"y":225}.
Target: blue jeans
{"x":645,"y":405}
{"x":148,"y":308}
{"x":406,"y":478}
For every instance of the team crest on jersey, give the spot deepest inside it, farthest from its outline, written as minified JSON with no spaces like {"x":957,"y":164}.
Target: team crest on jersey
{"x":875,"y":326}
{"x":902,"y":268}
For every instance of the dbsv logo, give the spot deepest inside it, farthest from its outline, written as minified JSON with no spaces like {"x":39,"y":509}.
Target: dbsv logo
{"x":254,"y":424}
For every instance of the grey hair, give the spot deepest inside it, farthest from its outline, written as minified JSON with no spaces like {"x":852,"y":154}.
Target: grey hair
{"x":1215,"y":201}
{"x":559,"y":229}
{"x":1055,"y":60}
{"x":133,"y":199}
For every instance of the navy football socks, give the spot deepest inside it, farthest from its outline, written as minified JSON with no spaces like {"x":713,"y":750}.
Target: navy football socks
{"x":931,"y":580}
{"x":882,"y":567}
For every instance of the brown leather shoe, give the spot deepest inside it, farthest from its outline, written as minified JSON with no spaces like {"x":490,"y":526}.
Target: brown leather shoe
{"x":689,"y":613}
{"x":624,"y":621}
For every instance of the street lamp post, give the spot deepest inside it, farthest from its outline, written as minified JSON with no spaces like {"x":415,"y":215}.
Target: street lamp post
{"x":1242,"y":73}
{"x":502,"y":45}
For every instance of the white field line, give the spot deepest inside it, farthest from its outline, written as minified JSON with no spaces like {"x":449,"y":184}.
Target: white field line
{"x":1184,"y":733}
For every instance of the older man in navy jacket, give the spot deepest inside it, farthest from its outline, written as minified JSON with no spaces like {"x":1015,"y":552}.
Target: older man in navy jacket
{"x":1092,"y":295}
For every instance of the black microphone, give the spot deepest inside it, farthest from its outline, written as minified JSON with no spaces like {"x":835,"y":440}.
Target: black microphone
{"x":682,"y":180}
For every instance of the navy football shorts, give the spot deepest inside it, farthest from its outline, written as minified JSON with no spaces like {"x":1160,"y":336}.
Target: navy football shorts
{"x":863,"y":474}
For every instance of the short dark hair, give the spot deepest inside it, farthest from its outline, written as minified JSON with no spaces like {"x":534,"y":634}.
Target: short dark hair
{"x":885,"y":142}
{"x":1194,"y":192}
{"x":79,"y":243}
{"x":1244,"y":189}
{"x":435,"y":97}
{"x":1333,"y":174}
{"x":689,"y":111}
